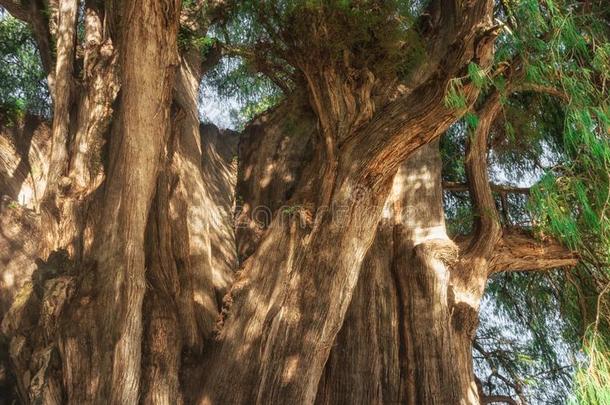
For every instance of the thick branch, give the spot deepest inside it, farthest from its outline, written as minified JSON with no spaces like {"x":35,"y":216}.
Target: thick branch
{"x":520,"y":252}
{"x":487,"y":224}
{"x":420,"y":114}
{"x":539,"y":88}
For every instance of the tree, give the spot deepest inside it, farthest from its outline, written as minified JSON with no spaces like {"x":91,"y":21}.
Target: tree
{"x":352,"y":290}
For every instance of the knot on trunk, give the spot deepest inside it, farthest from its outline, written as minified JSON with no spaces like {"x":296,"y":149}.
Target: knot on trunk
{"x":443,"y":250}
{"x":57,"y":264}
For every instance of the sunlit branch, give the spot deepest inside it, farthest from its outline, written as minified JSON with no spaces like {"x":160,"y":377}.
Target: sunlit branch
{"x":521,"y":252}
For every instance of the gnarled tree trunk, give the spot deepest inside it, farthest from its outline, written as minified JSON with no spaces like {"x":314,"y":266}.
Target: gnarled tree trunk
{"x":138,"y":247}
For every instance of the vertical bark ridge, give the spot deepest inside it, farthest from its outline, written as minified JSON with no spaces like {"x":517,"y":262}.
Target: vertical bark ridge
{"x":364,"y":365}
{"x":63,"y":99}
{"x":140,"y":131}
{"x":191,"y":250}
{"x":424,"y":259}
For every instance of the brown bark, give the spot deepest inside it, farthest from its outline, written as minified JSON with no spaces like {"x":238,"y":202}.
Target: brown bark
{"x":137,"y":139}
{"x":372,"y":359}
{"x":374,"y":346}
{"x":521,"y":252}
{"x":189,"y":266}
{"x":83,"y":361}
{"x":63,"y":92}
{"x":24,"y":162}
{"x":128,"y":308}
{"x":367,"y":362}
{"x":285,"y":322}
{"x":101,"y":278}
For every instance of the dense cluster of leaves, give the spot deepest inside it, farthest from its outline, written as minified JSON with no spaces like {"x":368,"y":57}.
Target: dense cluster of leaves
{"x":572,"y":199}
{"x":271,"y":43}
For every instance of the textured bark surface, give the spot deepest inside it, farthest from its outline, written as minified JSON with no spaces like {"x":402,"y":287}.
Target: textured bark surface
{"x":19,"y":249}
{"x":23,"y":166}
{"x":367,"y":361}
{"x":272,"y":152}
{"x":285,"y":322}
{"x":349,"y":289}
{"x":83,"y":361}
{"x":372,"y":359}
{"x":405,"y":337}
{"x":24,"y":149}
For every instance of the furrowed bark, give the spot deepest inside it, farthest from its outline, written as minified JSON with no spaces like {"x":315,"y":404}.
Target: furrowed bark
{"x":367,"y":363}
{"x":401,"y":357}
{"x":363,"y":364}
{"x":323,"y":263}
{"x":285,"y":338}
{"x":190,"y":243}
{"x":60,"y":133}
{"x":24,"y":162}
{"x":268,"y":349}
{"x":93,"y":284}
{"x":521,"y":252}
{"x":447,"y":312}
{"x":439,"y":368}
{"x":135,"y":148}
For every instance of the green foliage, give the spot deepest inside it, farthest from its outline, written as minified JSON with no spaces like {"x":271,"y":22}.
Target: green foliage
{"x":526,"y":137}
{"x":189,"y":39}
{"x":562,"y":145}
{"x":22,"y":79}
{"x":571,"y":200}
{"x":593,"y":382}
{"x":454,"y":97}
{"x":281,"y":37}
{"x":245,"y":92}
{"x":254,"y":108}
{"x":477,"y":75}
{"x":472,"y":120}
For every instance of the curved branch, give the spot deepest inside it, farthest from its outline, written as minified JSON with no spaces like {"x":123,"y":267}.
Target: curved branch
{"x":520,"y":252}
{"x":487,"y":223}
{"x":539,"y":88}
{"x":488,"y":228}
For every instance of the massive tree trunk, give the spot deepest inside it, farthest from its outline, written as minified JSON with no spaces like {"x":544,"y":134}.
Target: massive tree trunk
{"x":138,"y":247}
{"x":280,"y":325}
{"x":93,"y":281}
{"x":398,"y":343}
{"x":407,"y":334}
